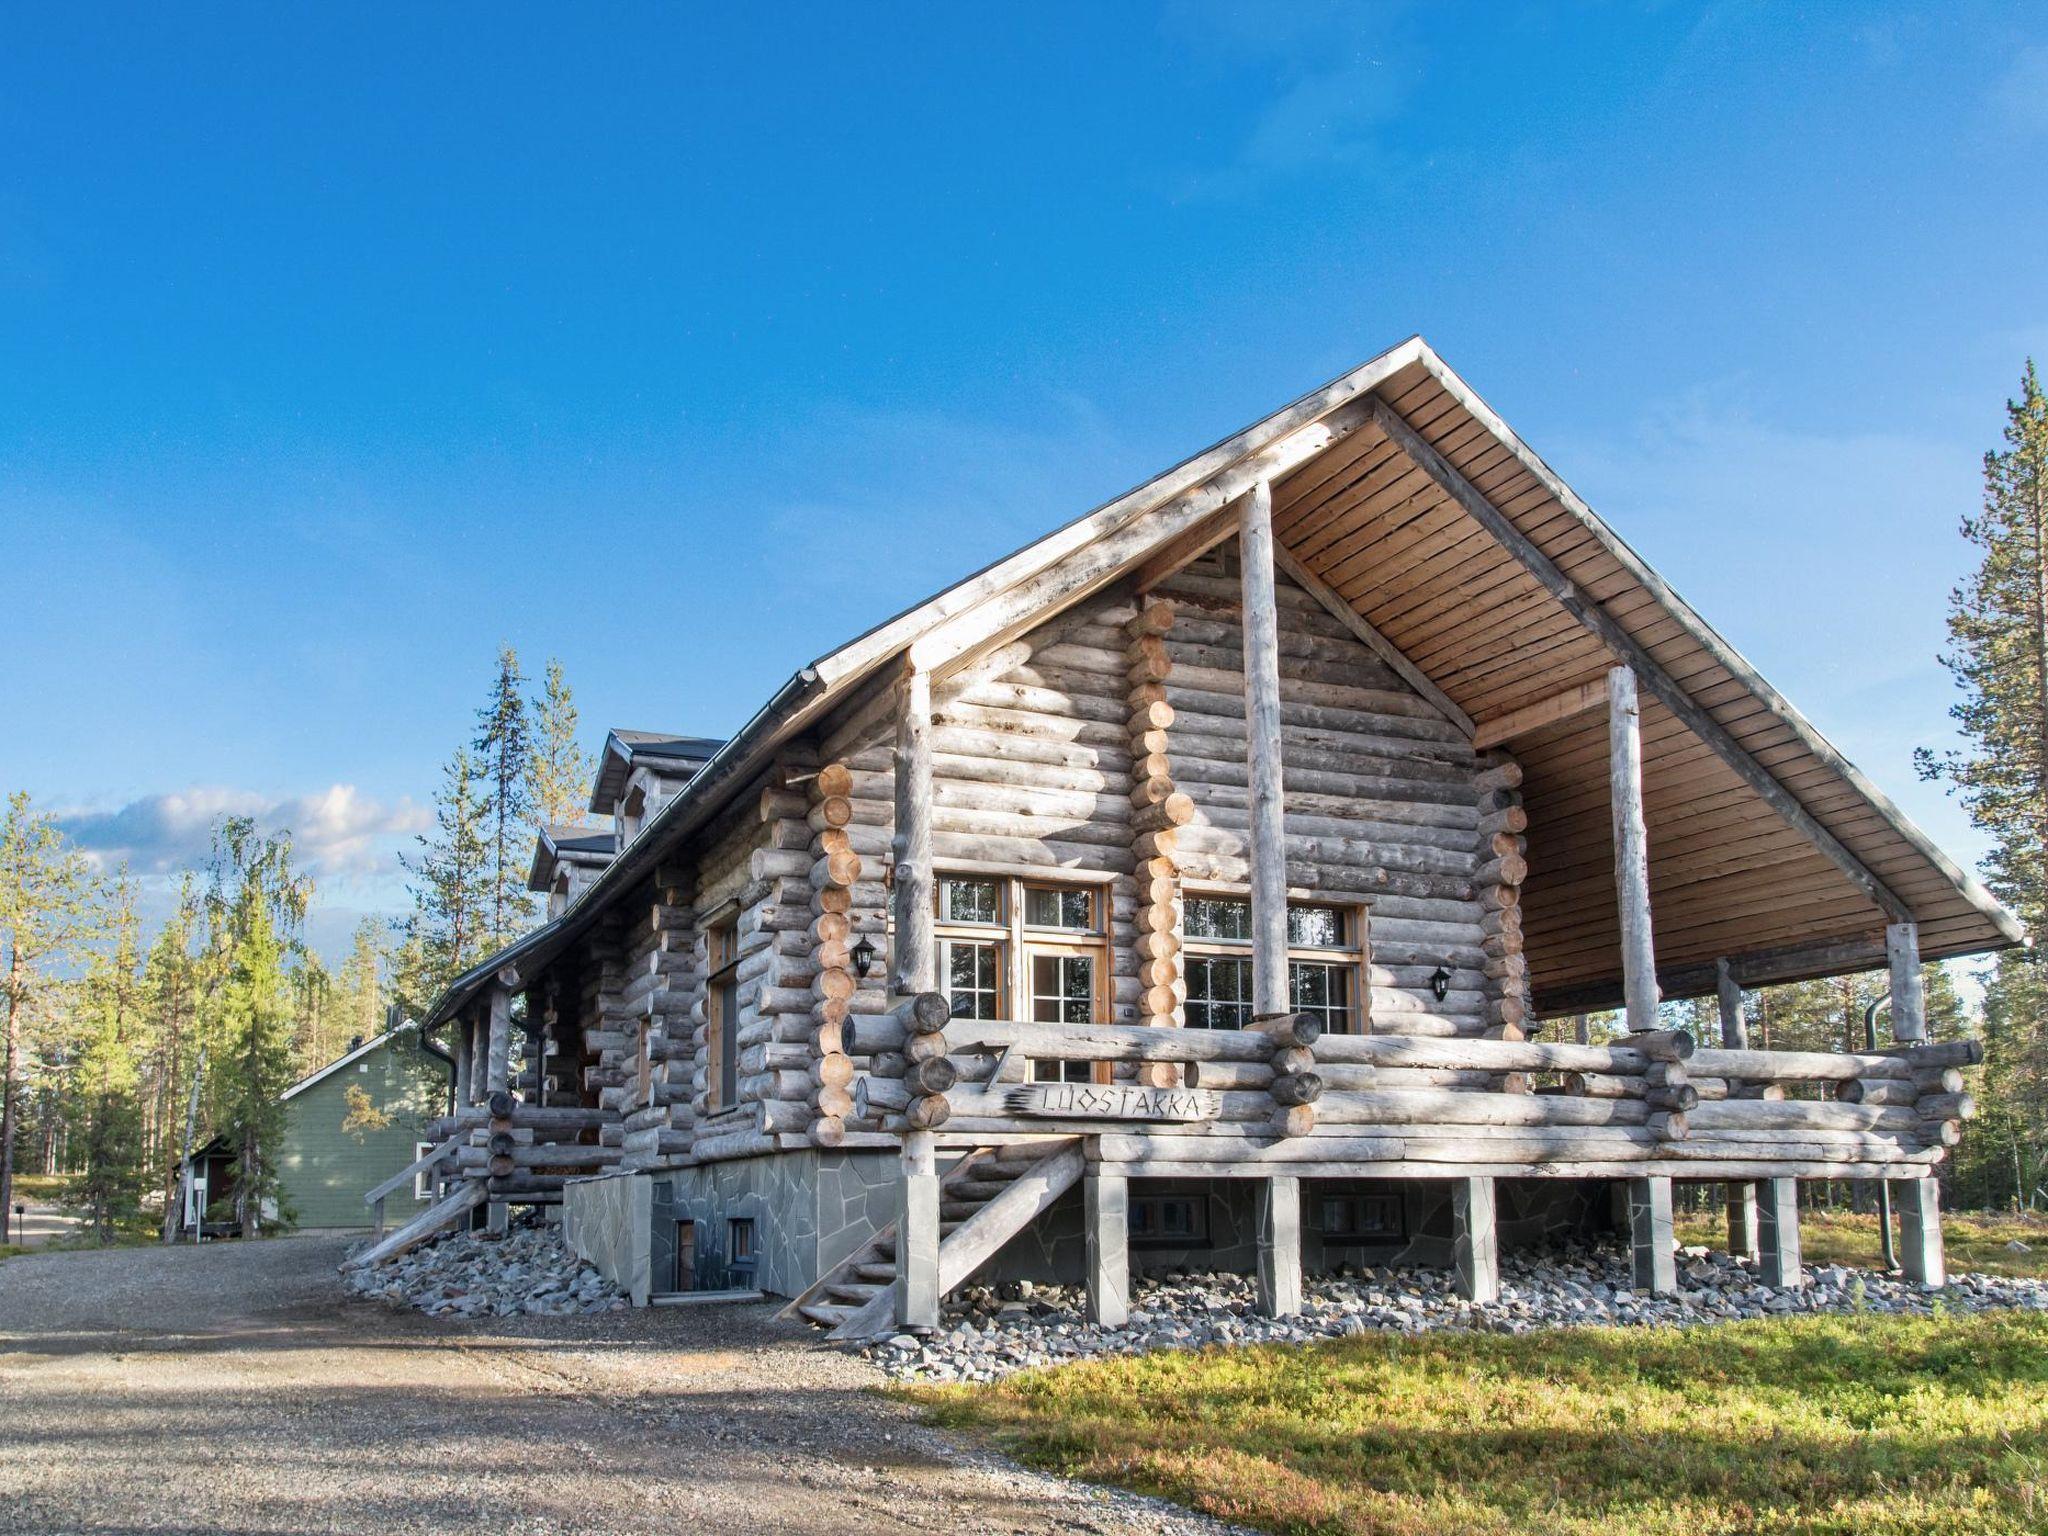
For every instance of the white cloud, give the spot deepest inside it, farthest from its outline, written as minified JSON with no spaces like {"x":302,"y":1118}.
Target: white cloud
{"x":337,"y":832}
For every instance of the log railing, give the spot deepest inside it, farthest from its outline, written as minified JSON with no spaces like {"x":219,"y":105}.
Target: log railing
{"x":1652,"y":1096}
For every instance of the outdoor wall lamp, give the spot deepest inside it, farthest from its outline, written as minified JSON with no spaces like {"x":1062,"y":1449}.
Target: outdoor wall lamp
{"x":1440,"y":983}
{"x":863,"y":956}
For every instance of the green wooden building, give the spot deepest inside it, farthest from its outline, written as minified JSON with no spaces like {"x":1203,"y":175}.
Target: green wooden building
{"x":334,"y":1150}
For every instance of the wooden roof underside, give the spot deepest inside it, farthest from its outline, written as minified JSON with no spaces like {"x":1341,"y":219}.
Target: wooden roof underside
{"x":1729,"y":876}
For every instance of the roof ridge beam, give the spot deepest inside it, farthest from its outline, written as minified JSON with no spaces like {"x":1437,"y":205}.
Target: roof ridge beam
{"x":1617,"y":639}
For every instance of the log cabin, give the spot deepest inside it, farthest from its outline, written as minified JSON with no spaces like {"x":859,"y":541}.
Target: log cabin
{"x":1207,"y":882}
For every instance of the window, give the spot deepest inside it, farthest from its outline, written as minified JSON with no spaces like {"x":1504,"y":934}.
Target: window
{"x":972,"y":933}
{"x":1363,"y":1218}
{"x":1169,"y":1221}
{"x":721,"y":1020}
{"x":1325,"y":957}
{"x":739,"y":1248}
{"x":1015,"y":949}
{"x":423,"y":1181}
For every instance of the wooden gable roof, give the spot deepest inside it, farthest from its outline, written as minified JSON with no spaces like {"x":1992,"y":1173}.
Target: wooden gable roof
{"x":1405,"y":499}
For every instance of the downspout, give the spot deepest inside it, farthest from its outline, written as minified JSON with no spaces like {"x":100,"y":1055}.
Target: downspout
{"x":433,"y":1048}
{"x":1884,"y":1188}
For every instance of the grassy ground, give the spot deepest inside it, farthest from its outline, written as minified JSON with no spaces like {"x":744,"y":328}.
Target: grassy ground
{"x":43,"y":1186}
{"x":1805,"y":1425}
{"x":1974,"y":1241}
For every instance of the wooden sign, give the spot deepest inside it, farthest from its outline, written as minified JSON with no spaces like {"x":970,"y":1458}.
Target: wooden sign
{"x":1112,"y":1101}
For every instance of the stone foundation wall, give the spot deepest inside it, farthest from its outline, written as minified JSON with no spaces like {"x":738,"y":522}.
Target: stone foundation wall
{"x":809,"y":1210}
{"x":607,"y":1222}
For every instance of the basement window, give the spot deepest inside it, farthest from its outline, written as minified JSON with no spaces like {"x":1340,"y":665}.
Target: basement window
{"x":1361,"y":1218}
{"x":1169,"y":1221}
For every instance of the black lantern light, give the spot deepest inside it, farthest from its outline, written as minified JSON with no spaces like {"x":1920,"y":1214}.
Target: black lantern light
{"x":1440,"y":983}
{"x":863,"y":955}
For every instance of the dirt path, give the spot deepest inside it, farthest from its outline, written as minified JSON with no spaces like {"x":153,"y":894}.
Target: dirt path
{"x":232,"y":1388}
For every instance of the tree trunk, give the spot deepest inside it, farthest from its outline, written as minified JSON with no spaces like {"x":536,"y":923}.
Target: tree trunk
{"x":7,"y":1057}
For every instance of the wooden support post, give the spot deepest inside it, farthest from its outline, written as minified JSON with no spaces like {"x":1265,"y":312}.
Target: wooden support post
{"x":1106,"y":1199}
{"x":1909,"y":993}
{"x":1778,"y":1234}
{"x":1652,"y":1244}
{"x":479,"y":1057}
{"x":1742,"y":1212}
{"x":465,"y":1051}
{"x":917,"y":1235}
{"x":914,"y":965}
{"x":1279,"y":1282}
{"x":1272,"y":998}
{"x":1920,"y":1232}
{"x":913,"y":959}
{"x":498,"y":1071}
{"x":1262,"y":756}
{"x":1475,"y":1241}
{"x":1631,"y":850}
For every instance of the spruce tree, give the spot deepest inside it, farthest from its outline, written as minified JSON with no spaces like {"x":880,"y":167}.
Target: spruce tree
{"x":47,"y":896}
{"x":558,"y":773}
{"x":449,"y":929}
{"x":504,"y":747}
{"x":1998,"y":656}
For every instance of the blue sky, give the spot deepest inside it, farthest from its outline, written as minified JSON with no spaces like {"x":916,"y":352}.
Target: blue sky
{"x":342,"y":344}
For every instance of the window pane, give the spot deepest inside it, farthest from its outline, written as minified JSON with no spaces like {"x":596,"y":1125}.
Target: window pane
{"x":1047,"y":908}
{"x":1217,"y":917}
{"x":973,"y":985}
{"x":1219,"y":992}
{"x":1315,"y":927}
{"x":969,"y":901}
{"x":1323,"y":990}
{"x":1063,"y":989}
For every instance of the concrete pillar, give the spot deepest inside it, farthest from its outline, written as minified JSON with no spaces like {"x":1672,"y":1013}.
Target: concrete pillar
{"x":1743,"y":1241}
{"x":1474,"y":1239}
{"x":1279,"y":1203}
{"x":1920,"y":1231}
{"x":1652,"y":1244}
{"x":917,"y":1235}
{"x":1106,"y":1197}
{"x":1778,"y":1234}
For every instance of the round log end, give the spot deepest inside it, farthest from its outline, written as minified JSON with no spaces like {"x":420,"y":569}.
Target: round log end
{"x":828,"y":1131}
{"x":929,"y":1012}
{"x":928,"y":1113}
{"x":1294,"y":1120}
{"x":501,"y":1104}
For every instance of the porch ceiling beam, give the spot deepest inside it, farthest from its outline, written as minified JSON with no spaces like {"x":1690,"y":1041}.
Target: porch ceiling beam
{"x":1356,"y":622}
{"x":1756,"y":968}
{"x":1609,"y":630}
{"x":1498,"y":730}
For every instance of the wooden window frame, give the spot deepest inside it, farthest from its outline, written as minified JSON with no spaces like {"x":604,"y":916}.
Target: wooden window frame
{"x":721,"y":1018}
{"x":1354,"y":957}
{"x":1017,"y":943}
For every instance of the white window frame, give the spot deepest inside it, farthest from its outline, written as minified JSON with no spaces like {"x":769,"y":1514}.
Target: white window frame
{"x":1353,"y":957}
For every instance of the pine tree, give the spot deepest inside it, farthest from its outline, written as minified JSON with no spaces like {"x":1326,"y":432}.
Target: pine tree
{"x":256,"y":1065}
{"x":170,"y":984}
{"x":558,"y":773}
{"x":1998,"y":656}
{"x":449,"y":929}
{"x":255,"y":906}
{"x":357,"y":1003}
{"x":47,"y":893}
{"x":504,"y":747}
{"x":107,"y":1078}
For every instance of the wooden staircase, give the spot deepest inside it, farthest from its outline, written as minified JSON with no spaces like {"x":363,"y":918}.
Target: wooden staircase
{"x":985,"y":1199}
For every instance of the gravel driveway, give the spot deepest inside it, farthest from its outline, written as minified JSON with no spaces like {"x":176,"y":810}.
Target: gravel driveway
{"x":233,"y":1388}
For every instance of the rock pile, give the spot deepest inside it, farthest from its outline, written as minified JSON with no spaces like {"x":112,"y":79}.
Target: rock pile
{"x":529,"y":1270}
{"x":988,"y":1332}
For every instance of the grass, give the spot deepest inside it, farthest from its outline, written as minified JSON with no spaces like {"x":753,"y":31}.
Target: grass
{"x":43,"y":1187}
{"x":1867,"y":1424}
{"x":1974,"y":1240}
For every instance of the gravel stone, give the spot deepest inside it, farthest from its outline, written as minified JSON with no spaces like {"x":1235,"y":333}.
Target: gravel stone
{"x":528,"y":1271}
{"x":988,"y":1332}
